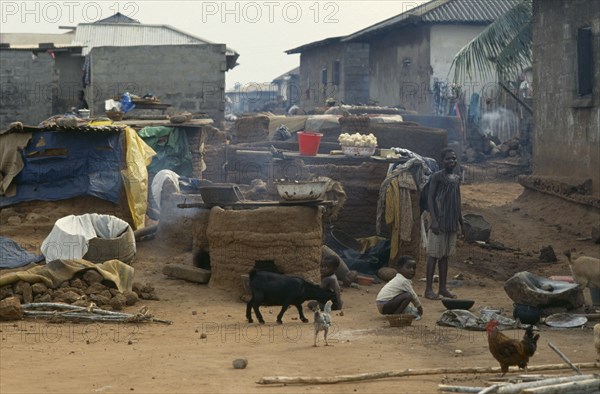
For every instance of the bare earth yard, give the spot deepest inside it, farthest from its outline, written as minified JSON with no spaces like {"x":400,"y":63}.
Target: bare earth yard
{"x":37,"y":357}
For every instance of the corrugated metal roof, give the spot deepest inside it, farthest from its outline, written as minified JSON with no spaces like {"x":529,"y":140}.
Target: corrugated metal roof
{"x":314,"y":44}
{"x":441,"y":11}
{"x":117,"y":34}
{"x":480,"y":11}
{"x":293,"y":71}
{"x":36,"y":48}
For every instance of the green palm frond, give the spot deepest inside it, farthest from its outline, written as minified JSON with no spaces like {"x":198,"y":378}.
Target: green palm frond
{"x":504,"y":46}
{"x":517,"y":54}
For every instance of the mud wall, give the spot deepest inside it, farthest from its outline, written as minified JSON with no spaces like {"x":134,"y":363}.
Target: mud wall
{"x":290,"y":236}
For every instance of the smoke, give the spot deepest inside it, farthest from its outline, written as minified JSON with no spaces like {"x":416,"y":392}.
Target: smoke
{"x":502,"y":123}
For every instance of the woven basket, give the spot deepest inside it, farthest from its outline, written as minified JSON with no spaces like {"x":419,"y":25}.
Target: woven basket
{"x":115,"y":115}
{"x":402,"y":320}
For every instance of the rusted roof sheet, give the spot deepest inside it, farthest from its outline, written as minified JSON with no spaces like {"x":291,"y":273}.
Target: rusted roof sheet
{"x":19,"y":128}
{"x":440,"y":11}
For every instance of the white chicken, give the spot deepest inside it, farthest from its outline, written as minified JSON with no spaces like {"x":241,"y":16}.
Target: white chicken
{"x":322,"y":321}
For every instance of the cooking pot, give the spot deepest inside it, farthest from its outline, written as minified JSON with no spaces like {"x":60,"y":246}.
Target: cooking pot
{"x":527,"y":314}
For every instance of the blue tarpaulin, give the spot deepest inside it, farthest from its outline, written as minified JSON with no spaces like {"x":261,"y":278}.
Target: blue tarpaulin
{"x":60,"y":165}
{"x":12,"y":255}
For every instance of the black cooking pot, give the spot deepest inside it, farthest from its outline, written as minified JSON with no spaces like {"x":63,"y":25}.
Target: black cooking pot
{"x":527,"y":314}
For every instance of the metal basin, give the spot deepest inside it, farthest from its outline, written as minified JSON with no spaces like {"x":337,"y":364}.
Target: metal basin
{"x":301,"y":190}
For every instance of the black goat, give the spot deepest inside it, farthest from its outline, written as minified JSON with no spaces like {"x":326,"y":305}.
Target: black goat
{"x":269,"y":288}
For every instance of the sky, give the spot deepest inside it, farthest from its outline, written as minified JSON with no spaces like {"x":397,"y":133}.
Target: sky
{"x":260,"y":31}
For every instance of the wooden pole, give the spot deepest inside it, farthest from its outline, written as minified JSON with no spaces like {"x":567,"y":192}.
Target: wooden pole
{"x":585,"y":386}
{"x":408,"y":372}
{"x":459,"y":389}
{"x":518,"y":387}
{"x":565,"y":358}
{"x":492,"y":389}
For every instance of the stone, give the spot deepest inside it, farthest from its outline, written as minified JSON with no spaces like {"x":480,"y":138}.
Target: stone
{"x":131,"y":298}
{"x":78,"y":283}
{"x":6,"y":291}
{"x":118,"y":302}
{"x":95,"y":288}
{"x":547,"y":254}
{"x":24,"y":288}
{"x":92,"y":276}
{"x":69,"y":296}
{"x":39,"y":288}
{"x":43,"y":297}
{"x":240,"y":363}
{"x":476,"y":228}
{"x":99,"y":300}
{"x":10,"y":309}
{"x":13,"y":221}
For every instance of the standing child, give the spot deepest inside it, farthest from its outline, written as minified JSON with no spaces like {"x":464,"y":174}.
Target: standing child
{"x":446,"y":218}
{"x":397,"y":295}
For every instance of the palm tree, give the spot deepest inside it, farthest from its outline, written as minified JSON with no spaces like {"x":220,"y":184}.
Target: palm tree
{"x":503,"y":48}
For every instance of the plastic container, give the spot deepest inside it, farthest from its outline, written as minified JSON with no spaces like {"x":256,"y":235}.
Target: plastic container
{"x":309,"y":142}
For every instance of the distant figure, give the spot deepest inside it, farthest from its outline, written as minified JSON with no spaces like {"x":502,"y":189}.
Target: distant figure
{"x":83,"y":104}
{"x":446,"y":219}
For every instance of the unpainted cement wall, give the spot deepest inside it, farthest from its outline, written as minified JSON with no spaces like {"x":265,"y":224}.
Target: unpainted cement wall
{"x":566,"y":140}
{"x":189,"y":77}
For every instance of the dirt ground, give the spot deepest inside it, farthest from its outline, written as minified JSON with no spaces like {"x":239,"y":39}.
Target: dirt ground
{"x":39,"y":357}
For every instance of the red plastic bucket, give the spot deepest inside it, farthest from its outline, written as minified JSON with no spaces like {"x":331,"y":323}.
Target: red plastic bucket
{"x":308,"y":142}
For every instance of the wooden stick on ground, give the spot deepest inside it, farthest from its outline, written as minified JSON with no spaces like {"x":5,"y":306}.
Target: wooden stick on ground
{"x":565,"y":358}
{"x":515,"y":388}
{"x":408,"y":372}
{"x":519,"y":387}
{"x":492,"y":389}
{"x":585,"y":386}
{"x":459,"y":389}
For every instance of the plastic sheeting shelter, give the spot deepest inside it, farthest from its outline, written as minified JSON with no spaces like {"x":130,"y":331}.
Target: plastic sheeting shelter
{"x":57,"y":164}
{"x":61,"y":165}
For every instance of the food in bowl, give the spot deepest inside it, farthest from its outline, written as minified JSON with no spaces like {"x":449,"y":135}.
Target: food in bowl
{"x":358,"y":145}
{"x":357,"y":139}
{"x":301,"y":190}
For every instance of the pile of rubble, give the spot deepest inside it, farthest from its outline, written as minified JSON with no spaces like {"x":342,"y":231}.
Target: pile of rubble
{"x":80,"y":291}
{"x":492,"y":149}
